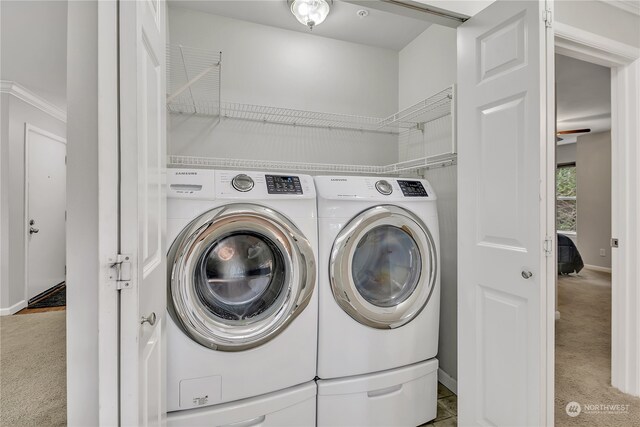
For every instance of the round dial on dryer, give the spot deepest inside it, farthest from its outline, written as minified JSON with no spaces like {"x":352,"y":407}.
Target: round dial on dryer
{"x":242,"y":182}
{"x":384,"y":187}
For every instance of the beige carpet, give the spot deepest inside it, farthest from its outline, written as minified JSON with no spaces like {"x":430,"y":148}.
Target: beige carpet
{"x":33,"y":369}
{"x":583,"y":354}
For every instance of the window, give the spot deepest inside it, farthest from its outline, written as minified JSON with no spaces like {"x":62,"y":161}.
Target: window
{"x":566,"y":205}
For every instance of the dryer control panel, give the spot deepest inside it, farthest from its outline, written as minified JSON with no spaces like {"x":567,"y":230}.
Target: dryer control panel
{"x":385,"y":189}
{"x":280,"y":184}
{"x":412,"y":188}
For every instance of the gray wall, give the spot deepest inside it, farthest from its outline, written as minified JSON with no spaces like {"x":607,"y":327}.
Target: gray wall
{"x":4,"y":199}
{"x":275,"y":67}
{"x":33,"y":46}
{"x":594,"y":197}
{"x":428,"y":65}
{"x":565,"y":153}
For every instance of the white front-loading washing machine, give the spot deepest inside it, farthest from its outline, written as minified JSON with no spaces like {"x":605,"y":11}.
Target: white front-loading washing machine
{"x":242,"y":299}
{"x":379,"y":299}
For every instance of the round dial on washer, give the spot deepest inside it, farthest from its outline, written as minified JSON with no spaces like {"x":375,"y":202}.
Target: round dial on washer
{"x":242,"y":182}
{"x":384,"y":187}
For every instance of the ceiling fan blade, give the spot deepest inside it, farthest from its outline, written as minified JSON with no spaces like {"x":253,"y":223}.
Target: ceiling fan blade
{"x":569,"y":132}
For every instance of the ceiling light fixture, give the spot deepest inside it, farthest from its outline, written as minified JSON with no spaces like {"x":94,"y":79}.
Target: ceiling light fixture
{"x":310,"y":12}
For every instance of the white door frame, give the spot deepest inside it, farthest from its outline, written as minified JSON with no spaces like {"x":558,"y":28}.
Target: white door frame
{"x":625,"y":196}
{"x":28,"y":128}
{"x":108,"y":183}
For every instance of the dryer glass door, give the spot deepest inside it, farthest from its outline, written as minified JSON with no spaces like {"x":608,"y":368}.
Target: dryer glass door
{"x":386,"y":266}
{"x":383,"y":267}
{"x":238,"y":275}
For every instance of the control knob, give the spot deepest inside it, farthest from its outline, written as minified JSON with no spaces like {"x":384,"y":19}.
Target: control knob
{"x":242,"y":182}
{"x":384,"y":187}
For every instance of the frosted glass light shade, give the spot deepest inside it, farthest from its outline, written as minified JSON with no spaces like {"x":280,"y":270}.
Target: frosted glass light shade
{"x":310,"y":12}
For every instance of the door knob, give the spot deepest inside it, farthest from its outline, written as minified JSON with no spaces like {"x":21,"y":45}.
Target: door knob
{"x":526,"y":274}
{"x":150,"y":319}
{"x":33,"y":230}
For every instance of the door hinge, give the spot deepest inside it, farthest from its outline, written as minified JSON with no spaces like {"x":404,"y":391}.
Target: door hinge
{"x":614,"y":242}
{"x":120,"y":271}
{"x":548,"y":246}
{"x":547,"y":18}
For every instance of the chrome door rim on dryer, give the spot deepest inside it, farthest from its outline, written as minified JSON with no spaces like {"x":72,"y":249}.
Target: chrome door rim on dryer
{"x":199,"y":238}
{"x":345,"y":291}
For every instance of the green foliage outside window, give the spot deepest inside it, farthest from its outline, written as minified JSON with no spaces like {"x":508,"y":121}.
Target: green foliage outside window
{"x":566,"y":205}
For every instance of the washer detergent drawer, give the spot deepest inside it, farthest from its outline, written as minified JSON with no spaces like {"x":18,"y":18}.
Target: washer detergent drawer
{"x":405,"y":396}
{"x":292,"y":407}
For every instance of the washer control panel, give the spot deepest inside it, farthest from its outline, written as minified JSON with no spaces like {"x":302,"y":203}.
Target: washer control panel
{"x":412,"y":188}
{"x":242,"y":182}
{"x":384,"y":187}
{"x":280,"y":184}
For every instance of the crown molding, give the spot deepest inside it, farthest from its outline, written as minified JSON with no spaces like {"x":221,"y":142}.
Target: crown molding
{"x":631,"y":6}
{"x":24,"y":94}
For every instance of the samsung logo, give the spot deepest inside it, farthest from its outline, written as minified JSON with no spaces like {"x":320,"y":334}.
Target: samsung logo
{"x":186,"y":173}
{"x":338,"y":179}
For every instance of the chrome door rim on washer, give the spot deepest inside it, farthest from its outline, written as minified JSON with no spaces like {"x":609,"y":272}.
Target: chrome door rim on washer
{"x":341,"y":262}
{"x":197,"y":239}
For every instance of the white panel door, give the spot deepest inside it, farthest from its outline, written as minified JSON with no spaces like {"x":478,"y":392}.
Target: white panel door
{"x":143,"y":212}
{"x":502,"y":140}
{"x":46,"y":187}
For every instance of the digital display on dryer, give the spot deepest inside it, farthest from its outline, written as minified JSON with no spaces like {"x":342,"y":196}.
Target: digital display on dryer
{"x":412,"y":189}
{"x":279,"y":184}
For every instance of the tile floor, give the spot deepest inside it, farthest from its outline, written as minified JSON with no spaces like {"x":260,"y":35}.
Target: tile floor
{"x":447,"y":409}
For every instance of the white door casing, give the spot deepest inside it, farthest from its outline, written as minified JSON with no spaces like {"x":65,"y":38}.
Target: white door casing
{"x":143,"y":212}
{"x":45,"y":206}
{"x":503,"y":109}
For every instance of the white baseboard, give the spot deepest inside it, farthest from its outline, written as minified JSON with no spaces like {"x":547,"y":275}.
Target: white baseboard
{"x":13,"y":309}
{"x":597,"y":268}
{"x":447,"y":381}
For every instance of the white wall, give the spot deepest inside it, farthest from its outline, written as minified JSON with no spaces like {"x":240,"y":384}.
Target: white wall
{"x":594,"y":197}
{"x":83,"y":267}
{"x":270,"y":66}
{"x":18,"y":113}
{"x":426,"y":66}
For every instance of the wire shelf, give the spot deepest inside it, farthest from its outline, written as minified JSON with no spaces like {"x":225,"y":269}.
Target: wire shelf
{"x":428,"y":162}
{"x":194,"y":86}
{"x":193,"y":80}
{"x":301,"y":118}
{"x":412,"y":118}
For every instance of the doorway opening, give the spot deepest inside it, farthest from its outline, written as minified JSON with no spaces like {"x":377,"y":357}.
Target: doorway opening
{"x":583,"y":333}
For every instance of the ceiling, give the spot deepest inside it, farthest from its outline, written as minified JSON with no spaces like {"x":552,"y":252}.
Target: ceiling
{"x":380,"y":29}
{"x":583,"y":96}
{"x":463,"y":7}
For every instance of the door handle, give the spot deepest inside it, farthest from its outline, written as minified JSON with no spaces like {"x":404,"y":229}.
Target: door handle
{"x":33,"y":230}
{"x":526,"y":274}
{"x":150,"y":319}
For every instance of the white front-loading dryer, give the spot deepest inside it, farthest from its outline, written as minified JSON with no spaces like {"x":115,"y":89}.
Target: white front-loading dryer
{"x":379,"y":281}
{"x":242,"y":271}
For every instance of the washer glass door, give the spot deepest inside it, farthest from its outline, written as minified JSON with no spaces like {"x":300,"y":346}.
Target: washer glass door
{"x":241,"y":277}
{"x":238,"y":276}
{"x":383,"y":267}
